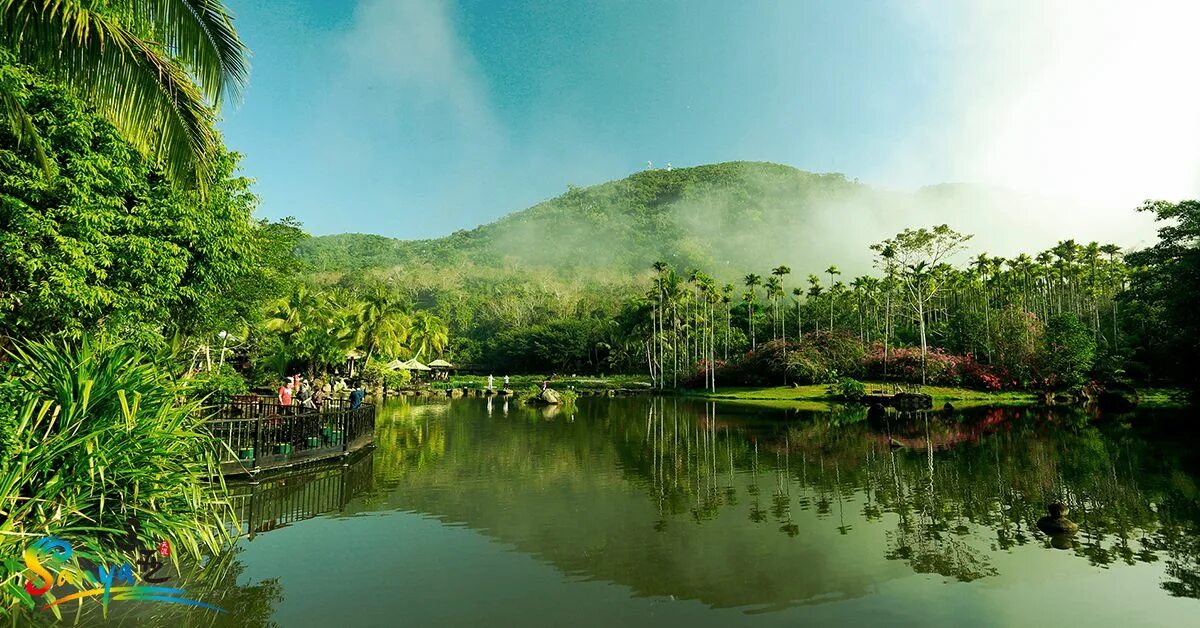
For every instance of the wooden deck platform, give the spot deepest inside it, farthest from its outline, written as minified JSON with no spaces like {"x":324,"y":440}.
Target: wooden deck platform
{"x":260,"y":435}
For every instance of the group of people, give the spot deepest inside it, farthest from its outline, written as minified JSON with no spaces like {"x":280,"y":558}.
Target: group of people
{"x":298,"y":392}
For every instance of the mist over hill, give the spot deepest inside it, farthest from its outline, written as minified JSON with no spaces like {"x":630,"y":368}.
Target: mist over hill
{"x":728,"y":219}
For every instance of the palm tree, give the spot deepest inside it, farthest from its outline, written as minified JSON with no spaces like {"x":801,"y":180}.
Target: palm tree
{"x":814,"y":293}
{"x":429,"y":334}
{"x":155,"y":69}
{"x":288,"y":315}
{"x":660,"y":270}
{"x":727,"y":300}
{"x":831,"y":271}
{"x":1112,"y":251}
{"x":982,"y":263}
{"x":751,"y":282}
{"x":798,"y":293}
{"x":782,"y":271}
{"x":383,"y":323}
{"x":774,"y":293}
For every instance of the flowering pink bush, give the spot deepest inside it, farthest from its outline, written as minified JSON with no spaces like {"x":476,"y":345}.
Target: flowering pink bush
{"x":941,"y":368}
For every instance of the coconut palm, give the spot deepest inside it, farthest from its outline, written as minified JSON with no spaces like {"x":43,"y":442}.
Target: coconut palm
{"x":429,"y":335}
{"x":156,"y":69}
{"x":288,"y":315}
{"x":383,"y":323}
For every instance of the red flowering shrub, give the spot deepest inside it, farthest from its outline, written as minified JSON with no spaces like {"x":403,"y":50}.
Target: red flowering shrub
{"x":941,"y":368}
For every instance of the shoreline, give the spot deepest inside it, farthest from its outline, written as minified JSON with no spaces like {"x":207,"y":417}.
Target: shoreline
{"x":812,"y":395}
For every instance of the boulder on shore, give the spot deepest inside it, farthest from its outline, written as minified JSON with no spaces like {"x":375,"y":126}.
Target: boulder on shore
{"x":548,"y":397}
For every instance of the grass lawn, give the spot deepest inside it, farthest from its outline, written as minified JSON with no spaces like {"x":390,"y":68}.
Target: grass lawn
{"x":820,"y":392}
{"x":1162,"y":397}
{"x":516,"y":382}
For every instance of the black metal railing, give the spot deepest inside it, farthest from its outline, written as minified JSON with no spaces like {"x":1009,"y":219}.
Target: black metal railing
{"x":285,"y":498}
{"x":259,"y":434}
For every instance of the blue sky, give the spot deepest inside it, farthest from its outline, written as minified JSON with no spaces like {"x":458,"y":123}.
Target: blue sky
{"x":416,"y":118}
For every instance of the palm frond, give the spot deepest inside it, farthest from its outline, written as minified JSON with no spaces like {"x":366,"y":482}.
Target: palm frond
{"x":22,"y":125}
{"x":200,"y":34}
{"x":146,"y":94}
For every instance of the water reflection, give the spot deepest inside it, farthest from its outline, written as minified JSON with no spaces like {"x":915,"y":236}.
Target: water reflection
{"x":728,"y":506}
{"x":277,"y":501}
{"x":941,"y":492}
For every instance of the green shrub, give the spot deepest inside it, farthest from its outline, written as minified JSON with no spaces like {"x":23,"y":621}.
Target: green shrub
{"x":394,"y":380}
{"x":375,"y":374}
{"x":219,"y":384}
{"x":1069,"y":352}
{"x":851,"y":389}
{"x":103,"y":437}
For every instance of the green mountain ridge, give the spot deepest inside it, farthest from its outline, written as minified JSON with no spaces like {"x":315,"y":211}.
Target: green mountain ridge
{"x":727,"y":218}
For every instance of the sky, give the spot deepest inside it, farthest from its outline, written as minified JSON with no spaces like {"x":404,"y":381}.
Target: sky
{"x":416,"y":118}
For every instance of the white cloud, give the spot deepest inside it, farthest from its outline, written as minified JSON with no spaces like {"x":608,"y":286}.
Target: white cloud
{"x":409,"y":52}
{"x":1090,"y":101}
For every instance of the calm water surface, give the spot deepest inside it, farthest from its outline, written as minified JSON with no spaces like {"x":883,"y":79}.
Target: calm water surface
{"x":667,"y":511}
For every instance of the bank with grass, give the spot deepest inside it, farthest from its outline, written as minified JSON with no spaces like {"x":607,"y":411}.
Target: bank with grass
{"x":829,"y":393}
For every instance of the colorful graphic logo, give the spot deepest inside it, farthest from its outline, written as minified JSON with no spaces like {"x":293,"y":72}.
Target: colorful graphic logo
{"x":50,"y":563}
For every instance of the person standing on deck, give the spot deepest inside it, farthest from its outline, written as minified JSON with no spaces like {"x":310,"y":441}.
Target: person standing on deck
{"x":491,"y":381}
{"x":506,"y":382}
{"x":318,"y":398}
{"x":285,"y":394}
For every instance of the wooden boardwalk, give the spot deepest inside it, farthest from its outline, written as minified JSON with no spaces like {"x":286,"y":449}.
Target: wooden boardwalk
{"x":260,"y":435}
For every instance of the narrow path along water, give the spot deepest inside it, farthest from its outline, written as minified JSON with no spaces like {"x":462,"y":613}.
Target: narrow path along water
{"x":651,"y":511}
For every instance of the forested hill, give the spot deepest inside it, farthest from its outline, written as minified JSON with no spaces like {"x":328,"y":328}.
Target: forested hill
{"x":731,"y":216}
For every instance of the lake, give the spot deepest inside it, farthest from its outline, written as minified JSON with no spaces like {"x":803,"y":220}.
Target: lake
{"x":651,"y":511}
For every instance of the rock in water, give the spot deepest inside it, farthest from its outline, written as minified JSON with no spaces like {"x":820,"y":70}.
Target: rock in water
{"x":1118,"y":397}
{"x":1056,"y":522}
{"x":551,"y":397}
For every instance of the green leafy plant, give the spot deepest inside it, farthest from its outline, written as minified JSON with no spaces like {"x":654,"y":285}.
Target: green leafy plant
{"x":851,"y":389}
{"x":218,"y":384}
{"x":102,"y":434}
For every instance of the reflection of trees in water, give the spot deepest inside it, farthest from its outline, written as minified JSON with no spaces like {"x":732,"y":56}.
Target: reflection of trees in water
{"x":968,"y":483}
{"x":274,"y":502}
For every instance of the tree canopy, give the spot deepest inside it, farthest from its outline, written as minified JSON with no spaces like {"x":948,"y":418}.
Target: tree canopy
{"x":106,"y":243}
